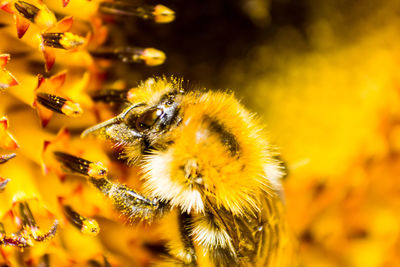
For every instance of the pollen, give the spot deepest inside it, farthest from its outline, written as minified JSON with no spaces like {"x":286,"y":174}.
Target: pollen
{"x":163,"y":14}
{"x":65,"y":40}
{"x":152,"y":57}
{"x":71,"y":109}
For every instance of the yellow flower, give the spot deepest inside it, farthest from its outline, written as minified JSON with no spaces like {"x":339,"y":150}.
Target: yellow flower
{"x":44,"y":215}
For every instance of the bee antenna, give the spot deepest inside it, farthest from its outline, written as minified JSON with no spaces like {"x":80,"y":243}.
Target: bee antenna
{"x":126,"y":111}
{"x":115,"y":120}
{"x":99,"y":126}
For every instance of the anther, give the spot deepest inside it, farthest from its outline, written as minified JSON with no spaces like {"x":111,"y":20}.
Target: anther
{"x":59,"y":104}
{"x":158,"y":13}
{"x":27,"y":10}
{"x":82,"y":166}
{"x":85,"y":225}
{"x":148,"y":56}
{"x":62,"y":40}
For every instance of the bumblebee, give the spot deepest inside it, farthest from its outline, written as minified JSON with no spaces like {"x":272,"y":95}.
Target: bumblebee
{"x":209,"y":175}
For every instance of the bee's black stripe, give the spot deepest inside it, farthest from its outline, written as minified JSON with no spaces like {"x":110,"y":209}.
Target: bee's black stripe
{"x":185,"y":223}
{"x":220,"y":220}
{"x":227,"y":138}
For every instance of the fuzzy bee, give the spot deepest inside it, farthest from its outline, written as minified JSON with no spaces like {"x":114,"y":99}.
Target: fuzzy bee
{"x":209,"y":175}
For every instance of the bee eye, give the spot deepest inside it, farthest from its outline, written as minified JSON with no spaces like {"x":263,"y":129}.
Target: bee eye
{"x":147,"y":119}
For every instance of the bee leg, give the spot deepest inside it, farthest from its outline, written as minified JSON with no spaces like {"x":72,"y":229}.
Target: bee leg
{"x":126,"y":200}
{"x":130,"y":203}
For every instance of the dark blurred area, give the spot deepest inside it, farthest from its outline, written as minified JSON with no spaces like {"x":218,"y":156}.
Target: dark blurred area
{"x":206,"y":35}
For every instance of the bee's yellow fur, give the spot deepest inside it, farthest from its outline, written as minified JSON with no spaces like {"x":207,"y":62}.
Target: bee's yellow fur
{"x":232,"y":181}
{"x":207,"y":160}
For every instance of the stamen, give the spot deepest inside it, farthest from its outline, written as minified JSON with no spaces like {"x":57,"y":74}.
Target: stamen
{"x":149,"y":56}
{"x":63,"y":40}
{"x":59,"y":104}
{"x":41,"y":16}
{"x":47,"y":236}
{"x":5,"y":158}
{"x":82,"y":166}
{"x":27,"y":10}
{"x":29,"y":224}
{"x":3,"y":184}
{"x":27,"y":217}
{"x":15,"y":241}
{"x":85,"y":225}
{"x":158,"y":13}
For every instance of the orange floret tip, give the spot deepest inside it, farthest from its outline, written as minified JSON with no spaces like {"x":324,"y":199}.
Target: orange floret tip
{"x":7,"y":141}
{"x":52,"y":84}
{"x":6,"y":6}
{"x":44,"y":114}
{"x":4,"y":124}
{"x":22,"y":25}
{"x":64,"y":24}
{"x":4,"y":58}
{"x":99,"y":34}
{"x":57,"y":80}
{"x":49,"y":58}
{"x":65,"y":2}
{"x":59,"y":142}
{"x":6,"y":78}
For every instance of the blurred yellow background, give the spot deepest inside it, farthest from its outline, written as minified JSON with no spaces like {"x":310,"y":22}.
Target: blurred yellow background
{"x":330,"y":96}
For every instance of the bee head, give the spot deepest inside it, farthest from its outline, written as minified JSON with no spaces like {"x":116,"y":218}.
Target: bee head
{"x":143,"y":124}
